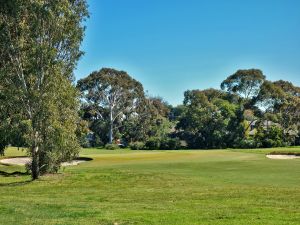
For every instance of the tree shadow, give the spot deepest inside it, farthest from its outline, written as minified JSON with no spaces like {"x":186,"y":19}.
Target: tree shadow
{"x":14,"y":184}
{"x":13,"y":174}
{"x":84,"y":158}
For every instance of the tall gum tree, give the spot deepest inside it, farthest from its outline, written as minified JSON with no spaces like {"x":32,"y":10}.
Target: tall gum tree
{"x":281,"y":99}
{"x":39,"y":49}
{"x":246,"y":83}
{"x":112,"y":91}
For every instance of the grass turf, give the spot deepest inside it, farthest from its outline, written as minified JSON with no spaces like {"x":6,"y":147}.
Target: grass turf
{"x":157,"y":187}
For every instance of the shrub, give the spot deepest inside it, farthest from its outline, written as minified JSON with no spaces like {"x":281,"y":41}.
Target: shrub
{"x":111,"y":146}
{"x":297,"y":139}
{"x":248,"y":143}
{"x":273,"y":137}
{"x":137,"y":146}
{"x":96,"y":141}
{"x":153,"y":144}
{"x":170,"y":144}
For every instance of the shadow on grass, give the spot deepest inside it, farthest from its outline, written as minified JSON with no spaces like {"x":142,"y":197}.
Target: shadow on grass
{"x":13,"y":174}
{"x":84,"y":158}
{"x":14,"y":184}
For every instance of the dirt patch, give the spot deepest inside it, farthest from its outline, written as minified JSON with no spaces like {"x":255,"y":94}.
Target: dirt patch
{"x":21,"y":161}
{"x":283,"y":156}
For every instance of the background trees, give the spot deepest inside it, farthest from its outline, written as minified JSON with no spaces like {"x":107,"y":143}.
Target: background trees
{"x":281,"y":101}
{"x":207,"y":119}
{"x":112,"y":96}
{"x":249,"y":112}
{"x":117,"y":108}
{"x":39,"y":49}
{"x":246,"y":83}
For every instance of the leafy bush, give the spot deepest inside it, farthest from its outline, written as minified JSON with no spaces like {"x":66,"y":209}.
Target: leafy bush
{"x":137,"y":146}
{"x":111,"y":146}
{"x":247,"y":143}
{"x":96,"y":141}
{"x":153,"y":144}
{"x":170,"y":144}
{"x":297,"y":139}
{"x":273,"y":137}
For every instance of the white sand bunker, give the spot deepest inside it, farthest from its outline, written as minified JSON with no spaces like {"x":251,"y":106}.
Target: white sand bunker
{"x":21,"y":161}
{"x":283,"y":156}
{"x":16,"y":161}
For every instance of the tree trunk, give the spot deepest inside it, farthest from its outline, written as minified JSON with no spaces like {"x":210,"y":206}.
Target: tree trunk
{"x":35,"y":170}
{"x":110,"y":127}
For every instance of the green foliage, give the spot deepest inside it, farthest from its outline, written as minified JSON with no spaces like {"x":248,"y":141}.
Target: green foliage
{"x":281,"y":99}
{"x":271,"y":137}
{"x":4,"y":135}
{"x":111,"y":146}
{"x":170,"y":144}
{"x":96,"y":141}
{"x":244,"y":82}
{"x":297,"y":139}
{"x":137,"y":145}
{"x":82,"y":132}
{"x":207,"y":122}
{"x":153,"y":143}
{"x":40,"y":43}
{"x":247,"y":143}
{"x":151,"y":120}
{"x":156,"y":143}
{"x":111,"y":96}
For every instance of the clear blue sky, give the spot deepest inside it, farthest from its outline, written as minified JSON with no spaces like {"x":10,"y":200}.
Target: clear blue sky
{"x":174,"y":45}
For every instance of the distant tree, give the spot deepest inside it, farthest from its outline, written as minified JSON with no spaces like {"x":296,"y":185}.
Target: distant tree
{"x":151,"y":120}
{"x":271,"y":137}
{"x":113,"y":95}
{"x":246,"y":83}
{"x":98,"y":124}
{"x":281,"y":102}
{"x":270,"y":96}
{"x":176,"y":112}
{"x":289,"y":117}
{"x":39,"y":48}
{"x":162,"y":107}
{"x":288,"y":88}
{"x":204,"y":123}
{"x":82,"y":131}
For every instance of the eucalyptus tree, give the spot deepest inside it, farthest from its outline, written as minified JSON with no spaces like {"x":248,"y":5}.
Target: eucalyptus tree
{"x":246,"y":83}
{"x":207,"y":119}
{"x":39,"y":48}
{"x":281,"y":100}
{"x":113,"y":95}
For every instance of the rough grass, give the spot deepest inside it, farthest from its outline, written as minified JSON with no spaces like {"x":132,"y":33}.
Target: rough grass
{"x":157,"y":187}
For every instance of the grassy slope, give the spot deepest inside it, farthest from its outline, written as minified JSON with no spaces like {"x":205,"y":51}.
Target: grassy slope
{"x":158,"y":187}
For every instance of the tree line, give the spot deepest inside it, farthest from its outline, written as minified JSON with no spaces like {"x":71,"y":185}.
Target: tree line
{"x":45,"y":112}
{"x":247,"y":111}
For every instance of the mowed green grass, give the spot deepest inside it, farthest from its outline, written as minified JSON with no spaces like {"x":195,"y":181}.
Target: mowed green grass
{"x":157,"y":187}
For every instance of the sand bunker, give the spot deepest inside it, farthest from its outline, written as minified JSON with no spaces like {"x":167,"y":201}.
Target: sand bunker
{"x":283,"y":156}
{"x":21,"y":161}
{"x":16,"y":161}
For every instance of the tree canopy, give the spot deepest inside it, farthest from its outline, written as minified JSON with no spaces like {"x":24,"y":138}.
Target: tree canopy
{"x":113,"y":95}
{"x":246,"y":83}
{"x":39,"y":49}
